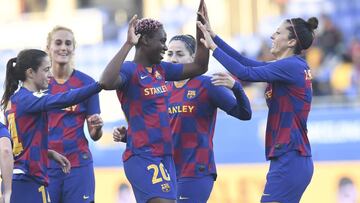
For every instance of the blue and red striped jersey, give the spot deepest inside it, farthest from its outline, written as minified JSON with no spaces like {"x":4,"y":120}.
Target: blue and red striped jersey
{"x":288,"y":96}
{"x":193,"y":109}
{"x":3,"y":131}
{"x":143,"y":97}
{"x":26,"y":120}
{"x":66,"y":126}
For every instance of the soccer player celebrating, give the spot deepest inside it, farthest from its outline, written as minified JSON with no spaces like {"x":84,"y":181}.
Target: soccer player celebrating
{"x":66,"y":134}
{"x":288,"y":97}
{"x":6,"y":164}
{"x":148,"y":161}
{"x":192,"y":108}
{"x":25,"y":112}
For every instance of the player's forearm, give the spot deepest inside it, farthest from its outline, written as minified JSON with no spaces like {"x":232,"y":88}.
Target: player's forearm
{"x":243,"y":109}
{"x":6,"y":164}
{"x":110,"y":76}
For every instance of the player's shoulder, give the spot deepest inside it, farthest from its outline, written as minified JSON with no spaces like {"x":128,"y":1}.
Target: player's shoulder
{"x":129,"y":66}
{"x":83,"y":76}
{"x":204,"y":79}
{"x":3,"y":131}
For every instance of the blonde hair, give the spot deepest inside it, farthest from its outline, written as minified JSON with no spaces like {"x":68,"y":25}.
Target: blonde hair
{"x":55,"y":29}
{"x":50,"y":35}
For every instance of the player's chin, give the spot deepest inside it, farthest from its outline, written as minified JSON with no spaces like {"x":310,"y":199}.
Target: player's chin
{"x":45,"y":85}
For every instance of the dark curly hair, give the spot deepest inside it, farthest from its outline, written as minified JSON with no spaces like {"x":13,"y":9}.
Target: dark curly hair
{"x":147,"y":26}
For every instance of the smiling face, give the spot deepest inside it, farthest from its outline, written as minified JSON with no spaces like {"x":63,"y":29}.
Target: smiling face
{"x":61,"y":47}
{"x":157,"y":46}
{"x":178,"y":53}
{"x":281,"y":43}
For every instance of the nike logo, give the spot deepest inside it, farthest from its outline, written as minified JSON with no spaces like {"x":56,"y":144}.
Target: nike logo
{"x":85,"y":197}
{"x":143,"y":76}
{"x":265,"y":194}
{"x":181,"y":197}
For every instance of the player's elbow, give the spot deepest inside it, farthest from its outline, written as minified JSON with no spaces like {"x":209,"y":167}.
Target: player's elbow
{"x":246,"y":115}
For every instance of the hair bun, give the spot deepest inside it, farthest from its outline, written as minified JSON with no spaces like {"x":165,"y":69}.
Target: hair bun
{"x":313,"y":23}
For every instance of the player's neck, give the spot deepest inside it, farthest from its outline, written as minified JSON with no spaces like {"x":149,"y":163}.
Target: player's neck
{"x":30,"y":86}
{"x":287,"y":53}
{"x":181,"y":83}
{"x":142,"y":59}
{"x":61,"y":72}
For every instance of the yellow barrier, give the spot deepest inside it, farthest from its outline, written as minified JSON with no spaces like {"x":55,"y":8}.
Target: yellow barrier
{"x":244,"y":183}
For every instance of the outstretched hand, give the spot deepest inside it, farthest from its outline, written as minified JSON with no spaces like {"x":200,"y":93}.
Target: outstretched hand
{"x":223,"y":79}
{"x":203,"y":17}
{"x":207,"y":41}
{"x":132,"y":38}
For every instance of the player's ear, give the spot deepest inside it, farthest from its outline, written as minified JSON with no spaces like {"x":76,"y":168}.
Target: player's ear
{"x":144,"y":39}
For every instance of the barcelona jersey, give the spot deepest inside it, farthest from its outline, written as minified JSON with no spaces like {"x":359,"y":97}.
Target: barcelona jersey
{"x":288,"y":96}
{"x":27,"y":122}
{"x":193,"y":109}
{"x":66,"y":134}
{"x":143,"y":97}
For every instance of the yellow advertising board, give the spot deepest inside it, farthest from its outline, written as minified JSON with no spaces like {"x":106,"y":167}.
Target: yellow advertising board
{"x":244,"y":183}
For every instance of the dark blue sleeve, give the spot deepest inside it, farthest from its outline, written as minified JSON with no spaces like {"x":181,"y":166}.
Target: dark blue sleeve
{"x":281,"y":70}
{"x":235,"y":54}
{"x":173,"y":71}
{"x":38,"y":102}
{"x":126,"y":72}
{"x":4,"y":132}
{"x":93,"y":103}
{"x":223,"y":98}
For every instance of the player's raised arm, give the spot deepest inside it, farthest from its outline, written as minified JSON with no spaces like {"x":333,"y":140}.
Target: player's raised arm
{"x":201,"y":60}
{"x":110,"y":77}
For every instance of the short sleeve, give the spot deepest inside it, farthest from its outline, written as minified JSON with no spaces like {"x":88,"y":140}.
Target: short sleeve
{"x":126,"y":72}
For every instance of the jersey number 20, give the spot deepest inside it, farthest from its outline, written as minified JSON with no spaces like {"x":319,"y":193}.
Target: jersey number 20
{"x":164,"y":174}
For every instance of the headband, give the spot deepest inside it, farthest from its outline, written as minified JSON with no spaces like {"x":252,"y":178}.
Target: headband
{"x":297,"y":38}
{"x":189,"y":42}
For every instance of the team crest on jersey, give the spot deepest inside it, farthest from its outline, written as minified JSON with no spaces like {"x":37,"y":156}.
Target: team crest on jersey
{"x":308,"y":75}
{"x":158,"y":75}
{"x":191,"y":94}
{"x":165,"y":187}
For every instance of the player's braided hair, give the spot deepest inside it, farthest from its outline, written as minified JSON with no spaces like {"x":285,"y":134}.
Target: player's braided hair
{"x":147,"y":26}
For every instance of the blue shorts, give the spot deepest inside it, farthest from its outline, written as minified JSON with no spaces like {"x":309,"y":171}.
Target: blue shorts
{"x":25,"y":189}
{"x":151,"y":177}
{"x":77,"y":186}
{"x":288,"y":177}
{"x":192,"y":190}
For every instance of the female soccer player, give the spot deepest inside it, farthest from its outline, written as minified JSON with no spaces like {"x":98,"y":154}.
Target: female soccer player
{"x":6,"y":164}
{"x":288,"y":97}
{"x":66,"y":126}
{"x":192,"y":108}
{"x":25,"y":112}
{"x":143,"y":96}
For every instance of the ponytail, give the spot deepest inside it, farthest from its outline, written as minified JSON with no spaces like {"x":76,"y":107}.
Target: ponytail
{"x":11,"y":83}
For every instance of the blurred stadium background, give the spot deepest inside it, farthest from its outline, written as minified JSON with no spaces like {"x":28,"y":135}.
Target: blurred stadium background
{"x":334,"y":123}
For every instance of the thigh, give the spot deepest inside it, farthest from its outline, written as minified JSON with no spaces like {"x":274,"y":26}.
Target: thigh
{"x":157,"y":179}
{"x":56,"y":183}
{"x":79,"y":185}
{"x":192,"y":190}
{"x":288,"y":177}
{"x":27,"y":190}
